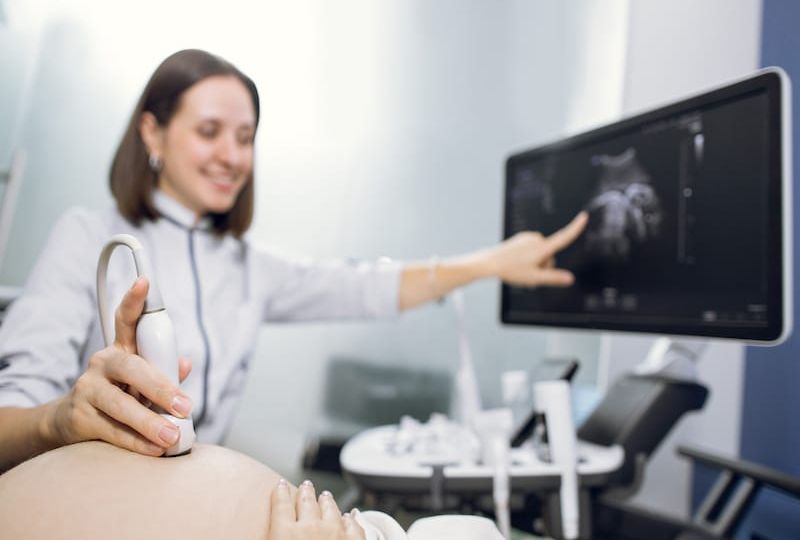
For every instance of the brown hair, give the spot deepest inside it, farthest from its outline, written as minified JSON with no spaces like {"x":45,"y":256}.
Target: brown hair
{"x":132,"y":180}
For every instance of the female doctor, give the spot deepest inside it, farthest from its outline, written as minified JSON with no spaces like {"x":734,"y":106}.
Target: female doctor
{"x":182,"y":178}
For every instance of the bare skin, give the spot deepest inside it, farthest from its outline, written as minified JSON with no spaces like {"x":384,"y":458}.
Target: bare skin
{"x":306,"y":517}
{"x":94,"y":490}
{"x":526,"y":259}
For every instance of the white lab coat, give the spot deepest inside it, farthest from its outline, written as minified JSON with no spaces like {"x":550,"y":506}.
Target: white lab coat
{"x":217,"y":290}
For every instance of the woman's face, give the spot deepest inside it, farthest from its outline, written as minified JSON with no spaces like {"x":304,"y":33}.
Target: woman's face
{"x":207,"y":146}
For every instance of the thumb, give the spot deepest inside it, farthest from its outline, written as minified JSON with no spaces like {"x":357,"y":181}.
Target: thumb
{"x":128,"y":313}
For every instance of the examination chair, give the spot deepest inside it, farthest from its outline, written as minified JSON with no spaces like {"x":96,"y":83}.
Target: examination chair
{"x":717,"y":517}
{"x":637,"y":413}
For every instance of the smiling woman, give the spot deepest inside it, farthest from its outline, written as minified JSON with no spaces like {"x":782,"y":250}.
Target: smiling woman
{"x":183,"y":182}
{"x":214,"y":127}
{"x":192,"y":134}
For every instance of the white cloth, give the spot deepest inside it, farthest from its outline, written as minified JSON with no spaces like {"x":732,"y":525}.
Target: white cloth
{"x":217,"y":290}
{"x":379,"y":526}
{"x":454,"y":528}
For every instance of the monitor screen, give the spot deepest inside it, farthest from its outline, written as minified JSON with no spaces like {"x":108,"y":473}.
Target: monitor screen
{"x":688,"y":213}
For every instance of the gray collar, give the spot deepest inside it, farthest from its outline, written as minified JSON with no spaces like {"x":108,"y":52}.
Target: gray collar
{"x":175,"y":212}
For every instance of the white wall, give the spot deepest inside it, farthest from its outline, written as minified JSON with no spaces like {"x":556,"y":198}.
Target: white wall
{"x":677,"y":48}
{"x":443,"y":92}
{"x":385,"y":128}
{"x":20,"y":29}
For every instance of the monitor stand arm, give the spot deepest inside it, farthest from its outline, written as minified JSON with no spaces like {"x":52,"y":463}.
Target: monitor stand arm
{"x":676,"y":358}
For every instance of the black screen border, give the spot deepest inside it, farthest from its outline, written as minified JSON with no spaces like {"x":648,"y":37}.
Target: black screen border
{"x":775,"y":83}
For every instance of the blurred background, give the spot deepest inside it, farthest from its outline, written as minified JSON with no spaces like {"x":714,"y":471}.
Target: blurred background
{"x":384,"y":131}
{"x":385,"y":127}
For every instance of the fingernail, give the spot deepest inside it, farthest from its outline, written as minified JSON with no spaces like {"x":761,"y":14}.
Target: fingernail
{"x":168,"y":434}
{"x":283,"y":484}
{"x":307,"y":483}
{"x":326,"y":493}
{"x":181,"y":405}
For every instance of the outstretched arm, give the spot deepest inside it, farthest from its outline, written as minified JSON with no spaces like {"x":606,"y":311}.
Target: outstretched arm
{"x":526,"y":259}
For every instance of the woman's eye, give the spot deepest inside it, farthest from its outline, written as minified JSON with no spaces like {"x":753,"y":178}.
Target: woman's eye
{"x":208,"y":132}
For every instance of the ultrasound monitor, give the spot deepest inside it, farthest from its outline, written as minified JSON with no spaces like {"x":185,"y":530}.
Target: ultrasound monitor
{"x":689,"y":218}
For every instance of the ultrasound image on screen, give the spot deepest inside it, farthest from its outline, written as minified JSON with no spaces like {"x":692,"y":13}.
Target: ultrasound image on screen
{"x":676,"y":229}
{"x":625,"y":211}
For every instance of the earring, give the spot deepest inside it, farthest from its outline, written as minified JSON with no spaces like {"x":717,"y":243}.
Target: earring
{"x":155,"y":162}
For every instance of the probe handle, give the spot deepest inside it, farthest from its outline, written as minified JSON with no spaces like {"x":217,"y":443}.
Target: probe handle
{"x":155,"y":334}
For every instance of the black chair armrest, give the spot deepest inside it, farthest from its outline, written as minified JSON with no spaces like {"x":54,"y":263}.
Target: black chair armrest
{"x":760,"y":473}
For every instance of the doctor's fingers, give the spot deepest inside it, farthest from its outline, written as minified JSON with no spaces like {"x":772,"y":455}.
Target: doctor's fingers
{"x":79,"y":419}
{"x":554,"y":277}
{"x":142,"y":377}
{"x":130,"y":421}
{"x":122,"y":436}
{"x":128,"y":313}
{"x":184,"y":368}
{"x":565,"y":236}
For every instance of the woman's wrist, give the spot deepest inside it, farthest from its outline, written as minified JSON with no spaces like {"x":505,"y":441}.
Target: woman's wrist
{"x":48,"y":431}
{"x":26,"y":432}
{"x":426,"y":281}
{"x":477,"y":265}
{"x":460,"y":271}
